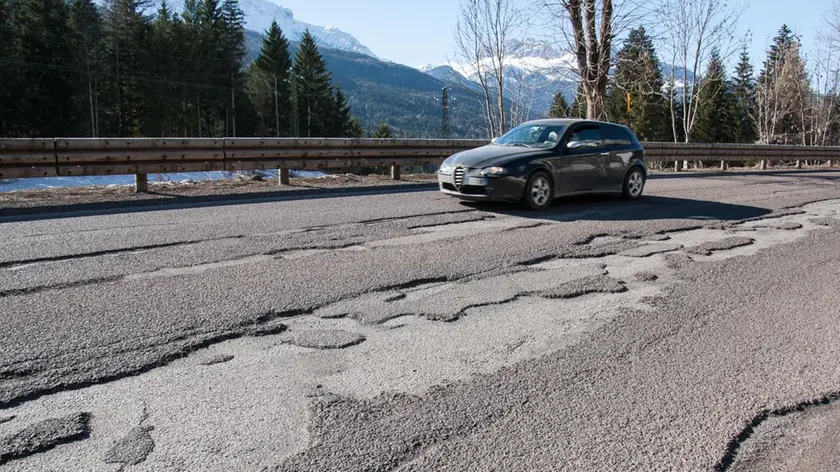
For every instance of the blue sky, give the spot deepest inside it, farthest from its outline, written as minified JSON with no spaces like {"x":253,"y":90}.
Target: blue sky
{"x":415,"y":32}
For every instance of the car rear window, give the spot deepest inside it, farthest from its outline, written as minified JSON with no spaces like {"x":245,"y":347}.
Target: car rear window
{"x":616,"y":136}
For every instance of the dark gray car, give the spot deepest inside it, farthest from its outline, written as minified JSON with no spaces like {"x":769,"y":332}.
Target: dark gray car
{"x":540,"y":160}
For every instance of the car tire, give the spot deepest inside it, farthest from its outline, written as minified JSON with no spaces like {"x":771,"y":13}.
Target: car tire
{"x":539,"y":191}
{"x":634,"y":184}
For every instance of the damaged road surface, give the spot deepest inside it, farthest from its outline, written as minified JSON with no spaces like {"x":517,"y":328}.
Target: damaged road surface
{"x":694,"y":329}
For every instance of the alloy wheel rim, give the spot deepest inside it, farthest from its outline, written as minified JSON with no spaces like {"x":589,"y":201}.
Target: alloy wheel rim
{"x":635,"y":184}
{"x":539,"y":190}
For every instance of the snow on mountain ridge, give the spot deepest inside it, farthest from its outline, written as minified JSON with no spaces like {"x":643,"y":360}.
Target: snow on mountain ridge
{"x":260,"y":13}
{"x":534,"y":71}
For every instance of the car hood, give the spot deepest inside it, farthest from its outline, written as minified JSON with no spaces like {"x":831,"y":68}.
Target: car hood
{"x":492,"y":155}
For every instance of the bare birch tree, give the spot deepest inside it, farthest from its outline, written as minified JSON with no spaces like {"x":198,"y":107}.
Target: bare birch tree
{"x":782,"y":98}
{"x":482,"y":43}
{"x":526,"y":82}
{"x":693,"y":30}
{"x":825,"y":71}
{"x":522,"y":95}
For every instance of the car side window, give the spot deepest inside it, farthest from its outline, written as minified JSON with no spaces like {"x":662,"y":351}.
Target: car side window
{"x":588,"y":137}
{"x":616,"y":136}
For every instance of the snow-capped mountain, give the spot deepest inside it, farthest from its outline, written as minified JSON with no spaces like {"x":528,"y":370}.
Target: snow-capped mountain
{"x":260,"y":13}
{"x":525,"y":58}
{"x":534,"y":72}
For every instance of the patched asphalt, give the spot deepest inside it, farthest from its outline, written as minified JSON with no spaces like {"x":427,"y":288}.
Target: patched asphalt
{"x":93,"y":299}
{"x":323,"y":338}
{"x":132,"y":449}
{"x":661,"y":390}
{"x":42,"y":436}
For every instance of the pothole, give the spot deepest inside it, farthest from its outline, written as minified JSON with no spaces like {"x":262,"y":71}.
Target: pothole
{"x":243,"y":403}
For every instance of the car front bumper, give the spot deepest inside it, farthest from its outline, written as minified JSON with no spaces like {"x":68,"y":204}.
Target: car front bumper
{"x":476,"y":187}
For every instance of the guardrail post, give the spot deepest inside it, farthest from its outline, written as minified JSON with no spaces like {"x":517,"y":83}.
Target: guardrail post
{"x":141,"y":183}
{"x":284,"y":176}
{"x":763,"y":165}
{"x":395,"y":173}
{"x":798,"y":164}
{"x":722,"y":165}
{"x":676,"y":166}
{"x":830,"y":163}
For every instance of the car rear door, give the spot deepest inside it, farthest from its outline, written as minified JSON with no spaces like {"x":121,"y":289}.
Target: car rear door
{"x":618,"y":155}
{"x":581,"y":168}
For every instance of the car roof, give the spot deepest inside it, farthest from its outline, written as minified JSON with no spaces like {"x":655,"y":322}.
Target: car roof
{"x":567,"y":122}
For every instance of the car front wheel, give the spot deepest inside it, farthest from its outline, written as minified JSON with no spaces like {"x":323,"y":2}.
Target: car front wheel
{"x":538,"y":191}
{"x":634,"y":184}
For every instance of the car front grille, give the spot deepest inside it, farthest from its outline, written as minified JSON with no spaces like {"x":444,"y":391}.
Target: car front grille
{"x":459,"y":176}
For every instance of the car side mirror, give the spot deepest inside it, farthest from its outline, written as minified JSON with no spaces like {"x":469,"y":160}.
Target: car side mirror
{"x":574,"y":145}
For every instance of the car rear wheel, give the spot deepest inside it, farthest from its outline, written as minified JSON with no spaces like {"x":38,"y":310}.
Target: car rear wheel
{"x":634,"y":184}
{"x":539,"y":191}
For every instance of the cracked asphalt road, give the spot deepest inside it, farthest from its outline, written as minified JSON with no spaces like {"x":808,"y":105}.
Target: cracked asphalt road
{"x":411,"y":332}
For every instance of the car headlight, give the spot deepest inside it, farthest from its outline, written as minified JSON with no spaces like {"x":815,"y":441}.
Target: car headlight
{"x":493,"y":171}
{"x":446,"y":168}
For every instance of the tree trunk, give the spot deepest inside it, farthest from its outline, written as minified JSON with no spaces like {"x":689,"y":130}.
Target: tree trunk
{"x":500,"y":103}
{"x":594,"y":103}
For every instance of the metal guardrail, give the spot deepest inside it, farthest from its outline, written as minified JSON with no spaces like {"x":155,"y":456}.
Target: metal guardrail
{"x":25,"y":158}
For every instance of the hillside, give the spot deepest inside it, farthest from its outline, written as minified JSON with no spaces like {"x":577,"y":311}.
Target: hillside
{"x":405,"y":98}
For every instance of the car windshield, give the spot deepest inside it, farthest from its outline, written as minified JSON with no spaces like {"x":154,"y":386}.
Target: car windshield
{"x":532,"y":135}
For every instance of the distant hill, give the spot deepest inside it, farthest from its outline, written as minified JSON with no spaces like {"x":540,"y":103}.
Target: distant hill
{"x":405,"y":98}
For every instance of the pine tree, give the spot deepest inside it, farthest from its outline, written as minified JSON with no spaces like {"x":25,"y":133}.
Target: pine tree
{"x":383,"y":132}
{"x":205,"y":31}
{"x":638,"y":72}
{"x":784,"y":38}
{"x":125,"y":38}
{"x":233,"y":57}
{"x":46,"y":88}
{"x":313,"y":90}
{"x":269,"y":84}
{"x":782,"y":93}
{"x":355,"y":130}
{"x":340,"y":116}
{"x":86,"y":42}
{"x":11,"y":69}
{"x":743,"y":89}
{"x":716,"y":119}
{"x":165,"y":113}
{"x":559,"y":108}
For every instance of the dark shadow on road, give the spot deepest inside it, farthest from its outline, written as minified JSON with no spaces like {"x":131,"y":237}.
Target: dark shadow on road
{"x":164,"y":201}
{"x":609,"y":208}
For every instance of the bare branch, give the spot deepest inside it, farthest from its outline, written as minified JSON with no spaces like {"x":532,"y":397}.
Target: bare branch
{"x":693,"y":30}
